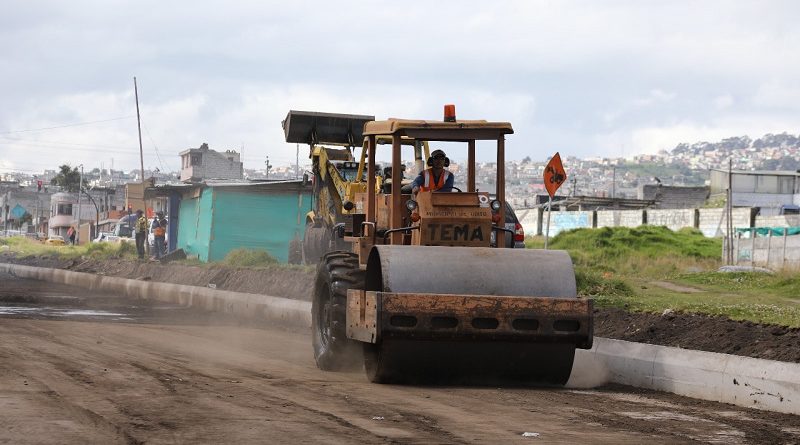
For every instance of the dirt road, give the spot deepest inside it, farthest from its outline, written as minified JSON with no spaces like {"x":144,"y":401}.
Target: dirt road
{"x":77,"y":368}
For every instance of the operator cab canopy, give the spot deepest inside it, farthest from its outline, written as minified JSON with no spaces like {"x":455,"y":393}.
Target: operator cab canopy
{"x":458,"y":131}
{"x":449,"y":130}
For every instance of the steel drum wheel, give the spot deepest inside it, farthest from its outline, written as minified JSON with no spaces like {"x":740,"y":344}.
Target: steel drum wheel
{"x":467,"y":363}
{"x":483,"y":271}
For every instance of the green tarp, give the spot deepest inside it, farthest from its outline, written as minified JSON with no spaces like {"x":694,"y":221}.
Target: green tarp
{"x":767,"y":231}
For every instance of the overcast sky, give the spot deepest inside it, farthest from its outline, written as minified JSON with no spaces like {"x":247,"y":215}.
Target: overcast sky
{"x":585,"y":78}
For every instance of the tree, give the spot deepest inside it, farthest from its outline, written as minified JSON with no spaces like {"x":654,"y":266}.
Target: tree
{"x":67,"y":178}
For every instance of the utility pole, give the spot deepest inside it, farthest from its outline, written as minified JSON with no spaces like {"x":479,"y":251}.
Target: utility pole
{"x":78,"y":229}
{"x":729,"y":211}
{"x":613,"y":182}
{"x":141,"y":151}
{"x":297,"y":161}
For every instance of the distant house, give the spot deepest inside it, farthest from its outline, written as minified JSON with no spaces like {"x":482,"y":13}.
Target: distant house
{"x":198,"y":164}
{"x":768,"y":190}
{"x":674,"y":197}
{"x":208,"y":220}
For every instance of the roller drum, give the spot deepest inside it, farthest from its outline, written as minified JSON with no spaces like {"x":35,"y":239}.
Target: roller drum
{"x":469,"y":271}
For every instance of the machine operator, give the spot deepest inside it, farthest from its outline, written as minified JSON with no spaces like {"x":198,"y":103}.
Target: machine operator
{"x":434,"y":178}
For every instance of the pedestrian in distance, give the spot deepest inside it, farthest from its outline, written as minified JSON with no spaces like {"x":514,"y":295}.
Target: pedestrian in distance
{"x":71,"y":235}
{"x":140,"y":229}
{"x":159,"y":229}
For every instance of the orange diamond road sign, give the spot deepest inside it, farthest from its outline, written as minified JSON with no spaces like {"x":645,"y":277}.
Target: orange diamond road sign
{"x":554,"y":175}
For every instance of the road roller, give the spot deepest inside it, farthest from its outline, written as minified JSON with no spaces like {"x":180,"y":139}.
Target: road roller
{"x":422,"y":295}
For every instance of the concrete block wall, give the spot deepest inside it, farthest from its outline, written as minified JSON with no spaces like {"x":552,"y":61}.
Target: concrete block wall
{"x":778,"y":221}
{"x":561,"y":221}
{"x":712,"y":222}
{"x":675,"y":219}
{"x":215,"y":165}
{"x":619,"y":218}
{"x":773,"y":252}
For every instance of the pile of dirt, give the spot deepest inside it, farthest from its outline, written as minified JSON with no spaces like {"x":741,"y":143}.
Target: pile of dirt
{"x":689,"y":331}
{"x":701,"y":332}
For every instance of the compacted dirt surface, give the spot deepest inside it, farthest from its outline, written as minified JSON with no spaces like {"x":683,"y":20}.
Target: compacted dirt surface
{"x":77,"y":367}
{"x":689,"y":331}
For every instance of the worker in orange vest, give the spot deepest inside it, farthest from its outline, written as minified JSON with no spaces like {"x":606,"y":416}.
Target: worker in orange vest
{"x":434,"y":178}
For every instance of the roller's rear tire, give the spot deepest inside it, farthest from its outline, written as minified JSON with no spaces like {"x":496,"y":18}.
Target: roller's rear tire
{"x":336,"y":273}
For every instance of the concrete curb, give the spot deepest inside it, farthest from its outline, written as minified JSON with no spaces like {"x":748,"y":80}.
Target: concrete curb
{"x":742,"y":381}
{"x":253,"y":306}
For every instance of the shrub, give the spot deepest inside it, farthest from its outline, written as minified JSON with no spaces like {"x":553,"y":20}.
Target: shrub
{"x":248,"y":258}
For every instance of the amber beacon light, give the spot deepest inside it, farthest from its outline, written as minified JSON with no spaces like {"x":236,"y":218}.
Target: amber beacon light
{"x":450,"y":113}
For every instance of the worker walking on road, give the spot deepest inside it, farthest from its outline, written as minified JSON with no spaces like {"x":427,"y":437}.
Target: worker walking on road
{"x":140,"y":229}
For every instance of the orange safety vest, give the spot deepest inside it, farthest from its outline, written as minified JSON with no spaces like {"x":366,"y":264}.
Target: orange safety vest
{"x":429,"y":184}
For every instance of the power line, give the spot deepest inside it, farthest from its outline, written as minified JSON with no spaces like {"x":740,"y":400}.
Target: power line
{"x":158,"y":155}
{"x":66,"y":125}
{"x":11,"y":139}
{"x":131,"y":152}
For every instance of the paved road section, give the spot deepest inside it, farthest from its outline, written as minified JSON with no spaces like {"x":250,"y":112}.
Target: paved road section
{"x":94,"y":368}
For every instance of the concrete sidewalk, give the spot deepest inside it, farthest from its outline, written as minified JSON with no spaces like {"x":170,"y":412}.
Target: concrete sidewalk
{"x":742,"y":381}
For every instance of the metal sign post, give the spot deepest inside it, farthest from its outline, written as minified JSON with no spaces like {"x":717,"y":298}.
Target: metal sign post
{"x":547,"y":230}
{"x":554,"y":176}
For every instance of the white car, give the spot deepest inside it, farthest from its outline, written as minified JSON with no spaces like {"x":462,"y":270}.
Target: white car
{"x":109,"y":237}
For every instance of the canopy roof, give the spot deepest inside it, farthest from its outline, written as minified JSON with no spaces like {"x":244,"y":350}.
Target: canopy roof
{"x":439,"y":130}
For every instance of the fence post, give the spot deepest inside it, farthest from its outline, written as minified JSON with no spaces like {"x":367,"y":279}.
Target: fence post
{"x":783,"y":263}
{"x":769,"y":245}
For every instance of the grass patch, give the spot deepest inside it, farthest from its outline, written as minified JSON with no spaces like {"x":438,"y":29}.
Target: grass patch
{"x":26,"y":247}
{"x":248,"y":258}
{"x":652,"y":268}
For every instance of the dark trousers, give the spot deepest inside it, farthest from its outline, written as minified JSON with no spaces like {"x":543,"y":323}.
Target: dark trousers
{"x":141,"y":237}
{"x":159,"y":246}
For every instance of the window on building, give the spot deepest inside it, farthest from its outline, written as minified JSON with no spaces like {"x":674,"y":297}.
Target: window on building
{"x":742,"y":183}
{"x":786,"y":185}
{"x":64,"y":209}
{"x":767,"y":184}
{"x":197,"y":159}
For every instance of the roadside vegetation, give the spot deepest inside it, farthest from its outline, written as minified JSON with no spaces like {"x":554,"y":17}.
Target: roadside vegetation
{"x":653,"y":269}
{"x":25,"y":247}
{"x":248,"y":258}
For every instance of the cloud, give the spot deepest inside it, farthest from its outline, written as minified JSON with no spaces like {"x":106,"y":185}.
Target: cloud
{"x":723,"y":102}
{"x":583,"y":78}
{"x":775,"y":94}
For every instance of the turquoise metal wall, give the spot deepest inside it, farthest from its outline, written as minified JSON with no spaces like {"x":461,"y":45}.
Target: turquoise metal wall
{"x":255,"y":220}
{"x":194,"y":224}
